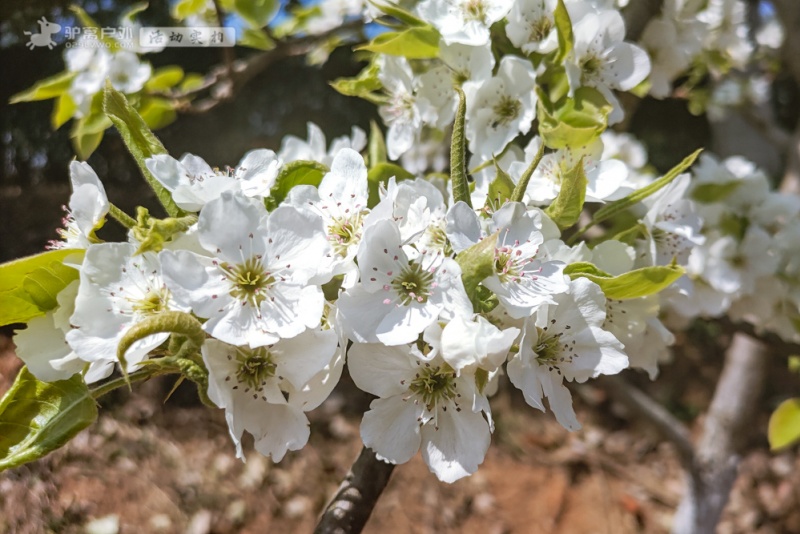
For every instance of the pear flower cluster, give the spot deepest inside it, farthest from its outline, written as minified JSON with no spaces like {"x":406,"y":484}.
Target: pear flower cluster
{"x":432,"y":299}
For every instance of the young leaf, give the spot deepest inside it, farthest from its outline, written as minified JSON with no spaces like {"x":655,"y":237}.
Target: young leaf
{"x":256,"y":38}
{"x":140,"y":141}
{"x":377,"y":146}
{"x":519,"y":191}
{"x":413,"y":43}
{"x":156,"y":112}
{"x":362,"y":86}
{"x":458,"y":153}
{"x":609,"y":210}
{"x":566,"y":39}
{"x":38,"y":417}
{"x":630,"y":285}
{"x":85,"y":141}
{"x":26,"y":283}
{"x":784,"y":424}
{"x":63,"y":111}
{"x":164,"y":78}
{"x":572,"y":121}
{"x":186,"y":8}
{"x":500,"y":190}
{"x":257,"y":13}
{"x":393,"y":10}
{"x":566,"y":208}
{"x":708,"y":193}
{"x":477,"y":263}
{"x":51,"y":87}
{"x":380,"y":174}
{"x":296,"y":173}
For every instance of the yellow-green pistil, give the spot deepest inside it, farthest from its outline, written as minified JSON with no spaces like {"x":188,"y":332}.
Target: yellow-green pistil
{"x":506,"y":110}
{"x":255,"y":367}
{"x":434,"y":384}
{"x":541,"y":28}
{"x":475,"y":10}
{"x":249,"y":280}
{"x":154,"y":301}
{"x":413,"y":284}
{"x":344,"y":232}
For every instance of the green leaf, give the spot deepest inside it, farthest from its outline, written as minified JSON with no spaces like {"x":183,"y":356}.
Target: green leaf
{"x":500,"y":190}
{"x":362,"y":86}
{"x":187,"y":8}
{"x":377,"y":146}
{"x":630,"y":285}
{"x":157,"y":112}
{"x":522,"y":186}
{"x":28,"y":286}
{"x":784,"y":424}
{"x":609,"y":210}
{"x":85,"y":142}
{"x":566,"y":39}
{"x":164,"y":78}
{"x":256,"y":38}
{"x":37,"y":418}
{"x":295,"y":173}
{"x":63,"y":111}
{"x":140,"y":141}
{"x":458,"y":153}
{"x":477,"y":263}
{"x":708,"y":193}
{"x":574,"y":121}
{"x":380,"y":174}
{"x":257,"y":13}
{"x":46,"y":89}
{"x":45,"y":283}
{"x":393,"y":10}
{"x":129,"y":14}
{"x":566,"y":209}
{"x":412,"y":43}
{"x":191,"y":81}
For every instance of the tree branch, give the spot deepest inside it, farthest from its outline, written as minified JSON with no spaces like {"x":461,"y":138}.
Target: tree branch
{"x":717,"y":454}
{"x":353,"y":503}
{"x":643,"y":406}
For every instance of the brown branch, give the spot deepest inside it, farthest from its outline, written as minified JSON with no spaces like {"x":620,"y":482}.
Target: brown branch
{"x":642,"y":405}
{"x":717,"y":455}
{"x":353,"y":503}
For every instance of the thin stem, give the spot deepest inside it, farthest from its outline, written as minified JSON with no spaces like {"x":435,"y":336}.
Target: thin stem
{"x":522,"y":185}
{"x":136,"y":376}
{"x":121,"y":217}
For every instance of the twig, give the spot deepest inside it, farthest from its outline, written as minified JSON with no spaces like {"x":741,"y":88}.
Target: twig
{"x":223,"y":81}
{"x":642,"y":405}
{"x":353,"y":503}
{"x":717,"y":457}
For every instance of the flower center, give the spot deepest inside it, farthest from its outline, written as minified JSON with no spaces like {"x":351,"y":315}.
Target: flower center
{"x":506,"y":110}
{"x":548,"y":348}
{"x":255,"y":367}
{"x":541,"y":28}
{"x":413,"y":284}
{"x":434,"y":384}
{"x":249,"y":280}
{"x":590,"y":66}
{"x":153,"y":302}
{"x":475,"y":10}
{"x":345,"y":231}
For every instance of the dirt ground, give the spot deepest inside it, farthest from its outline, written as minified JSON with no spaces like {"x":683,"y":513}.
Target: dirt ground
{"x":153,"y":467}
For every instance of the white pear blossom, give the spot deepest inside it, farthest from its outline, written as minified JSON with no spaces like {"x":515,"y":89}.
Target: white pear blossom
{"x":42,"y":345}
{"x":601,"y":59}
{"x":257,"y":388}
{"x":315,"y":148}
{"x":464,"y":21}
{"x":87,"y":210}
{"x":193,"y":182}
{"x":398,"y":298}
{"x":401,"y":114}
{"x":521,"y":281}
{"x":424,"y":404}
{"x":257,"y":286}
{"x":565,"y":341}
{"x":117,"y":290}
{"x":341,"y":201}
{"x":500,"y":109}
{"x":532,"y":26}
